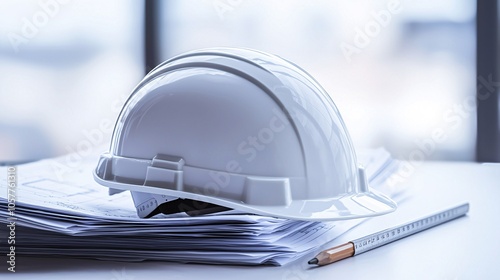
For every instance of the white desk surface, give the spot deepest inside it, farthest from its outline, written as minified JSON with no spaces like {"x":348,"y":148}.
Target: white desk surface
{"x":466,"y":248}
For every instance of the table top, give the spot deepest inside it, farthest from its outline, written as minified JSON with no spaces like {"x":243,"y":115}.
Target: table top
{"x":466,"y":248}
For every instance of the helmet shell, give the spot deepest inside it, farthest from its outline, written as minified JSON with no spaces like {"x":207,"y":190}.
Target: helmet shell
{"x":242,"y":129}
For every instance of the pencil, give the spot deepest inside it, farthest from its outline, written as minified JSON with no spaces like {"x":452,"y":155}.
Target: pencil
{"x":361,"y":245}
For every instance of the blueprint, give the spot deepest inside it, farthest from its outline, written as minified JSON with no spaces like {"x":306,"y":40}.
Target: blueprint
{"x":61,"y":211}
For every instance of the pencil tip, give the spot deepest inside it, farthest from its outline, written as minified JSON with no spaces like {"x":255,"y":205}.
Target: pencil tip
{"x":313,"y":261}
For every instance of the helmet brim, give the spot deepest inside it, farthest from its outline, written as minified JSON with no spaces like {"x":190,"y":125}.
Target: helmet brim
{"x":349,"y":206}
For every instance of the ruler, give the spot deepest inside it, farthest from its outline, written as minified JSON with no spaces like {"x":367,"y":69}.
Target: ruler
{"x":386,"y":236}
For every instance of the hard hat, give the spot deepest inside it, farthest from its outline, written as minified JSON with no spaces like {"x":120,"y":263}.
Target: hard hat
{"x":241,"y":129}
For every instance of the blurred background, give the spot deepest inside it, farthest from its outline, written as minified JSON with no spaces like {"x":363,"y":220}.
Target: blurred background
{"x":406,"y":75}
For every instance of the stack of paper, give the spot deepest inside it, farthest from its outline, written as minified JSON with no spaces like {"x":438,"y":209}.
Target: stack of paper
{"x":61,"y":211}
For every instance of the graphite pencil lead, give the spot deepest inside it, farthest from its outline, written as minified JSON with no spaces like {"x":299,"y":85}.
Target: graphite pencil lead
{"x":313,"y":261}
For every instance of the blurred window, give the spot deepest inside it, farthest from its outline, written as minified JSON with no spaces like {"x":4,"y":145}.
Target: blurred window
{"x":66,"y":68}
{"x":401,"y":72}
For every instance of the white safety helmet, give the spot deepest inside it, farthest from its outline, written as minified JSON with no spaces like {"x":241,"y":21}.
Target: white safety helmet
{"x":226,"y":128}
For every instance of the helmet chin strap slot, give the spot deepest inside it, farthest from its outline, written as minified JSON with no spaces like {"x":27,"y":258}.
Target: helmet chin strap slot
{"x":189,"y":206}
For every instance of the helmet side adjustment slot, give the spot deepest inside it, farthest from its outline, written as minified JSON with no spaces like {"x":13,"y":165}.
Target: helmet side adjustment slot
{"x":165,"y":172}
